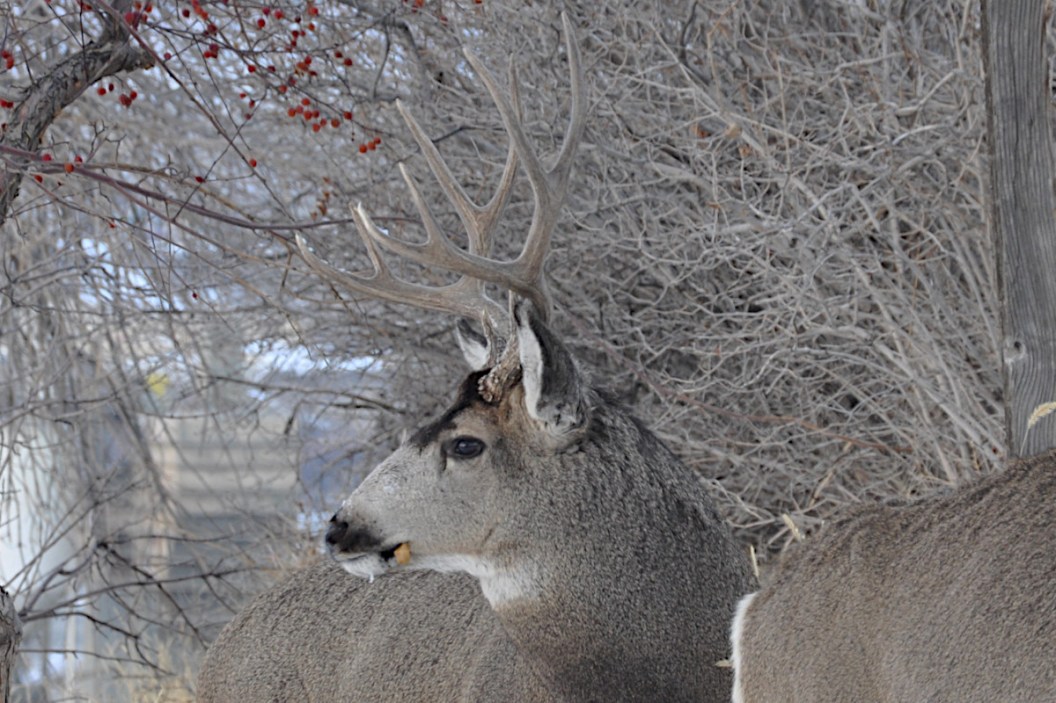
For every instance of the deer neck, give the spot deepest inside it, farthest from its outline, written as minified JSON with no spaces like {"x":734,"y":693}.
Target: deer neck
{"x":631,"y":597}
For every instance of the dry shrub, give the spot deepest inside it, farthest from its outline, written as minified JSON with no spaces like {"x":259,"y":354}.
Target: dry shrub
{"x":774,"y":238}
{"x":773,"y":247}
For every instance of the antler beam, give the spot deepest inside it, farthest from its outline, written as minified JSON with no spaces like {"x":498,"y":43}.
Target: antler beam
{"x":523,"y":275}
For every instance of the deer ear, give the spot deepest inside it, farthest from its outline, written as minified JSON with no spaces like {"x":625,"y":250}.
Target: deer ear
{"x":475,"y":347}
{"x":553,"y":390}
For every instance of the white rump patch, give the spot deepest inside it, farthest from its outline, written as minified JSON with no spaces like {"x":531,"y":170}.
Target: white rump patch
{"x":736,"y":635}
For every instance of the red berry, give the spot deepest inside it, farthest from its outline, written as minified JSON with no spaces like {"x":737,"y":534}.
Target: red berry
{"x":362,"y":148}
{"x":252,"y":163}
{"x":69,"y":168}
{"x":261,"y":23}
{"x":45,"y":157}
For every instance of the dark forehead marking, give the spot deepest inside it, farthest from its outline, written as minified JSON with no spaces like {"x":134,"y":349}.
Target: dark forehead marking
{"x":468,"y":395}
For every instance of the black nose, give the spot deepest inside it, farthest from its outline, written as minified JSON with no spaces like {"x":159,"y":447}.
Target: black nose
{"x":337,"y":532}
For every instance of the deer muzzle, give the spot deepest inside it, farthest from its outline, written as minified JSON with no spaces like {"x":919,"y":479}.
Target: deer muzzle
{"x":360,"y":551}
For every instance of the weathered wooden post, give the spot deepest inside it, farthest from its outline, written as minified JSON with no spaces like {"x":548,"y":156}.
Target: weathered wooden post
{"x":1023,"y":216}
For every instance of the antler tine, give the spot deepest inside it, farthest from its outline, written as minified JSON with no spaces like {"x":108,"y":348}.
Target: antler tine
{"x":479,"y":220}
{"x":548,"y":186}
{"x":462,"y":298}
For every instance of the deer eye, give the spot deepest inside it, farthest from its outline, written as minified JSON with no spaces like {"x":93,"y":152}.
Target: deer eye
{"x":464,"y":447}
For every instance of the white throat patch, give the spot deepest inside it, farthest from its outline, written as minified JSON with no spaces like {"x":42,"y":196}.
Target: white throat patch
{"x":500,"y":585}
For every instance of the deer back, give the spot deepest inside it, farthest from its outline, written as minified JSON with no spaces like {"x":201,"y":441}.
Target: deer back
{"x":949,"y":598}
{"x":323,"y":636}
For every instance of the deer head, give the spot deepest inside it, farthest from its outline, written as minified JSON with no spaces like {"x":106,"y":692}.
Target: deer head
{"x":525,"y":395}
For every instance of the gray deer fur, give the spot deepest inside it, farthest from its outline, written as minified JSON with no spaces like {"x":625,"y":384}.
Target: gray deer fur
{"x":949,"y":599}
{"x":599,"y":568}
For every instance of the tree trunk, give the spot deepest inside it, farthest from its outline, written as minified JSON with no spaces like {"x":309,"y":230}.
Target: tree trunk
{"x":44,"y":100}
{"x":10,"y":634}
{"x":1022,"y":207}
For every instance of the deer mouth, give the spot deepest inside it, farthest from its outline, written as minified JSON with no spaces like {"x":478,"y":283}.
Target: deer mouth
{"x":375,"y":562}
{"x":398,"y":555}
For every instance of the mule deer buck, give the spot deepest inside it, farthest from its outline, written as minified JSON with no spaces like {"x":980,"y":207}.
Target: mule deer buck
{"x":535,"y":543}
{"x":946,"y":599}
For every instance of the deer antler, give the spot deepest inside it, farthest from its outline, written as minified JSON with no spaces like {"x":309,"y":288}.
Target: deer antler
{"x":521,"y":276}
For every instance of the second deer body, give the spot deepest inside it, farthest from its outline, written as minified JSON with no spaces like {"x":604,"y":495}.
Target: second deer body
{"x":949,"y":599}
